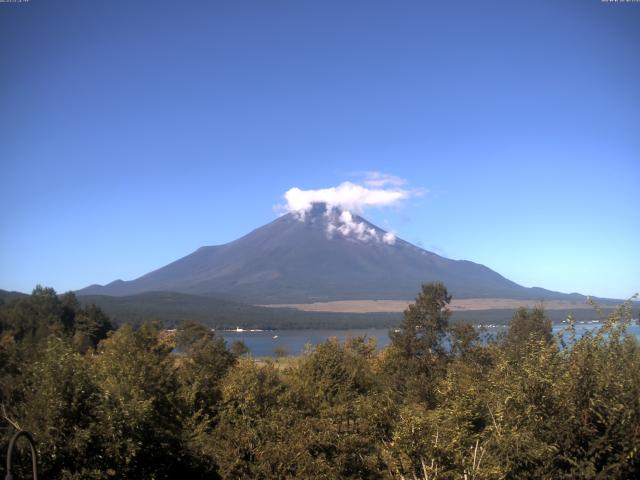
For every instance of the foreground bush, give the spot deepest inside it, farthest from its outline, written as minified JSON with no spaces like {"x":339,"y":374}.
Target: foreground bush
{"x":437,"y":403}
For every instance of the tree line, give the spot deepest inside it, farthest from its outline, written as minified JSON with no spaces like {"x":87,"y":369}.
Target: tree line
{"x":437,"y":403}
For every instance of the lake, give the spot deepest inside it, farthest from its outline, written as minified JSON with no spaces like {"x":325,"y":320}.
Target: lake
{"x":262,"y":343}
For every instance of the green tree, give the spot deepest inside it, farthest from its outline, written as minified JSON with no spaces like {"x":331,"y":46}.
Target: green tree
{"x":337,"y":387}
{"x":597,"y":424}
{"x":417,"y":355}
{"x":44,"y":313}
{"x":59,"y":408}
{"x":139,"y":408}
{"x":36,"y":316}
{"x":464,"y":339}
{"x":330,"y":374}
{"x":90,"y":326}
{"x":258,"y":435}
{"x":280,"y":351}
{"x":239,"y":348}
{"x":201,"y":367}
{"x":527,"y":325}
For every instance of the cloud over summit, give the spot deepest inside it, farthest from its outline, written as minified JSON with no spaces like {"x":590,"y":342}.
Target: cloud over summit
{"x":346,"y":196}
{"x":376,"y":191}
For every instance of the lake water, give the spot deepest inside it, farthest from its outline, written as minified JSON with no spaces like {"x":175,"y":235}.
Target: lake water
{"x":263,"y":343}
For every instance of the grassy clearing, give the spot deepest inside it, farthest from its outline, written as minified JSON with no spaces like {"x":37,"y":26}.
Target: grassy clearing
{"x":281,"y":363}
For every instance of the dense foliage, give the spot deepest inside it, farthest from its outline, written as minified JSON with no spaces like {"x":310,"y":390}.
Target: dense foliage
{"x":437,"y":403}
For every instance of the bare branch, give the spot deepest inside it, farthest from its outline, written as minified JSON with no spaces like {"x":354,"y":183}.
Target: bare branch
{"x":13,"y":423}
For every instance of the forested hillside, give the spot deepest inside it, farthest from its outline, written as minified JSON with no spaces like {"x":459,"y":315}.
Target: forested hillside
{"x":436,"y":404}
{"x":172,"y":308}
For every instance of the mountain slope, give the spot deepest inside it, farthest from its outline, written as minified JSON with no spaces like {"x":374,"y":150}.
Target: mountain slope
{"x":322,"y":256}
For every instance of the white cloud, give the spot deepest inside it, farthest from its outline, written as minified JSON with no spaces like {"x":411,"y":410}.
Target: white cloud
{"x":389,"y":238}
{"x":348,"y":227}
{"x":346,"y":196}
{"x":379,"y":180}
{"x":378,"y":190}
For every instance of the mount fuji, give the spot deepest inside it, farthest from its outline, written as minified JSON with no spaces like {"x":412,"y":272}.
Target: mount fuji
{"x":323,"y":254}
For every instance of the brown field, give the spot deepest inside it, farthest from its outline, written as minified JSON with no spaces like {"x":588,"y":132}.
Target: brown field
{"x":379,"y":306}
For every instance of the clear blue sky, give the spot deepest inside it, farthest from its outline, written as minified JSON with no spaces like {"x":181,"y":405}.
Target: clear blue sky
{"x":133,"y":132}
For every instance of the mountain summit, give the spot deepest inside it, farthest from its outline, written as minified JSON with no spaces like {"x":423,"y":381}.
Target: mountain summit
{"x":321,"y":254}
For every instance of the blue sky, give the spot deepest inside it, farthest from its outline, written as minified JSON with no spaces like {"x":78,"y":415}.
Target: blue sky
{"x":134,"y":132}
